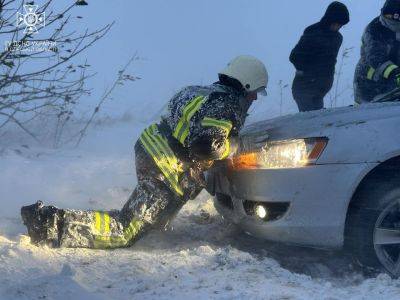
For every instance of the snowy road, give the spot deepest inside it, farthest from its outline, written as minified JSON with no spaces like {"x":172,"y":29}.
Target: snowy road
{"x":202,"y":257}
{"x":195,"y":260}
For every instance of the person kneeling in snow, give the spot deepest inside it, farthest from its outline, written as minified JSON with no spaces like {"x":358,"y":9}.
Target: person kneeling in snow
{"x":171,"y":156}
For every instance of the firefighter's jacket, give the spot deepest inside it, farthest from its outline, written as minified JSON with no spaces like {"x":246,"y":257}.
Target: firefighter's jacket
{"x":380,"y":57}
{"x":197,"y":127}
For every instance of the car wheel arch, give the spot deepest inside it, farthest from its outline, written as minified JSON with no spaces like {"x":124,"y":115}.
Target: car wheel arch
{"x":388,"y":167}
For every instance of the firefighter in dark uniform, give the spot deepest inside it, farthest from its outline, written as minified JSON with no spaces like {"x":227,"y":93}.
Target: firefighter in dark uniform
{"x":378,"y":71}
{"x":315,"y":56}
{"x":171,"y":156}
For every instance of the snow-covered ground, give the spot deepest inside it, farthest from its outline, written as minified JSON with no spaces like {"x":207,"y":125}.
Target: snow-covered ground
{"x":200,"y":257}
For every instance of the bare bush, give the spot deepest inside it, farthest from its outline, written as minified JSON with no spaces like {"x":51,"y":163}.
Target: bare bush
{"x":282,"y":87}
{"x":40,"y":79}
{"x":339,"y":89}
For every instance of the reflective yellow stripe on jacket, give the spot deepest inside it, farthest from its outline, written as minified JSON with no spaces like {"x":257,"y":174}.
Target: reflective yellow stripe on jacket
{"x":102,"y":222}
{"x":103,"y":237}
{"x":389,"y":70}
{"x":384,"y":70}
{"x":227,"y":149}
{"x":224,"y":125}
{"x":371,"y":73}
{"x":157,"y":147}
{"x":182,"y":130}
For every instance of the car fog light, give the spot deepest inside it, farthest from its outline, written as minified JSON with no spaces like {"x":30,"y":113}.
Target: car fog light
{"x":261,"y":211}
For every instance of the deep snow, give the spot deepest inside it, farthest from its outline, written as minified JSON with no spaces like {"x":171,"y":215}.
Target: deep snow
{"x":200,"y":257}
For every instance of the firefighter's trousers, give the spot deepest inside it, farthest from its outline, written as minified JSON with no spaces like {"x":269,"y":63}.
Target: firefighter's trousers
{"x":152,"y":205}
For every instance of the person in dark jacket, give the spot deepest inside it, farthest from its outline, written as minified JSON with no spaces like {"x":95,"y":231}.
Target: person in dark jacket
{"x":378,"y":71}
{"x":171,"y":156}
{"x":314,"y":58}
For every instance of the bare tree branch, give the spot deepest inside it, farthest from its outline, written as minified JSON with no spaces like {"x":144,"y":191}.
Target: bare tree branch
{"x":55,"y":86}
{"x":122,"y":76}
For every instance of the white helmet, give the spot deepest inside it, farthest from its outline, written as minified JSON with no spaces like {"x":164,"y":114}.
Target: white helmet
{"x":249,"y":71}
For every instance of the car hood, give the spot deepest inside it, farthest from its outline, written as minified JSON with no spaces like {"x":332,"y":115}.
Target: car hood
{"x":316,"y":123}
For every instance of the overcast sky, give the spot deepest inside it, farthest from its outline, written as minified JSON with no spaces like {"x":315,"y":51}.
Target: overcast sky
{"x":185,"y":42}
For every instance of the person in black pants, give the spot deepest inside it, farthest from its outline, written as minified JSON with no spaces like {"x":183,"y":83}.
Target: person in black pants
{"x":315,"y":56}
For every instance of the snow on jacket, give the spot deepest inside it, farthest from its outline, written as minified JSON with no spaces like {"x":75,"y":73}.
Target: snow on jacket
{"x":195,"y":131}
{"x":379,"y":58}
{"x":220,"y":115}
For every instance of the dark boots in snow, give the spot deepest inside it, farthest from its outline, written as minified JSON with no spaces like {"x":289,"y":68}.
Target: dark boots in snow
{"x":42,"y":223}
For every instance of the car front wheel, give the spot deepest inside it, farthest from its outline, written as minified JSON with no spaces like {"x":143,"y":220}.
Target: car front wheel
{"x":373,"y":229}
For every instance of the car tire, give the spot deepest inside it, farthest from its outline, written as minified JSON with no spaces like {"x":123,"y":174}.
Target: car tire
{"x":373,"y":225}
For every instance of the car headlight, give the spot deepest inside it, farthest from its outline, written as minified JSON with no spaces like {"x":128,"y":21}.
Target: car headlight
{"x":282,"y":154}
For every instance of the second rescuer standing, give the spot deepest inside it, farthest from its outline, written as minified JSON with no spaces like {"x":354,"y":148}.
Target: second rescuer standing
{"x":314,"y":58}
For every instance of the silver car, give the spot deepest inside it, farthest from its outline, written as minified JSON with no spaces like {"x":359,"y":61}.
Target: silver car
{"x":326,"y":179}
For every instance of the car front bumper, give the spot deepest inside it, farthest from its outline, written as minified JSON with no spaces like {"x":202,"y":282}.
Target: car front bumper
{"x":318,"y":197}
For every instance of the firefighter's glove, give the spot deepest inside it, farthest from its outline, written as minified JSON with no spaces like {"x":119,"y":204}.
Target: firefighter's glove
{"x":193,"y":182}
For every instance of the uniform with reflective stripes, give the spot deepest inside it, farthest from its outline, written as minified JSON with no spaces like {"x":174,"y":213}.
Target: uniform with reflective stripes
{"x":157,"y":147}
{"x":152,"y":203}
{"x":370,"y":74}
{"x":383,"y":71}
{"x":389,"y":70}
{"x":223,"y":124}
{"x":182,"y":130}
{"x":378,"y":68}
{"x":165,"y":181}
{"x":103,"y":237}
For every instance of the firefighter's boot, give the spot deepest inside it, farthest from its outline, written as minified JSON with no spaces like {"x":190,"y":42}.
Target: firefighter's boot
{"x":43,"y":223}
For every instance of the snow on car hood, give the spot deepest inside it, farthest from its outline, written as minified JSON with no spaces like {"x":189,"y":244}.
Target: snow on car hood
{"x":315,"y":123}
